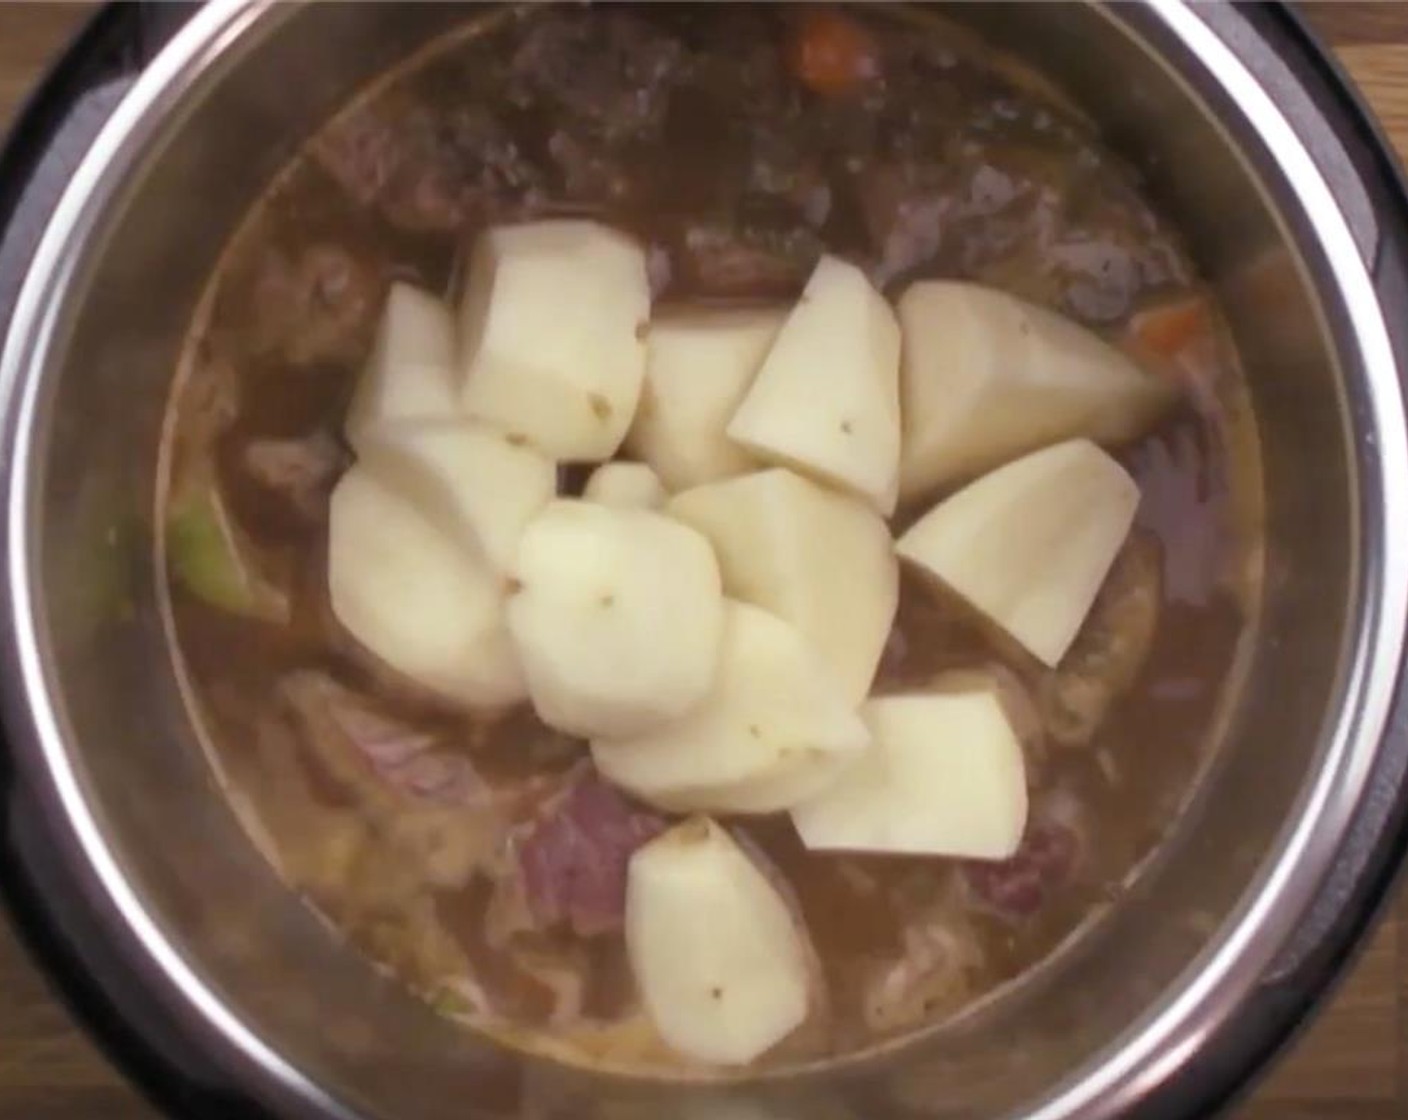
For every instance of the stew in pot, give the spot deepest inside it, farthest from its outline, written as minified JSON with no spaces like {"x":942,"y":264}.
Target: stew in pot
{"x":704,"y":537}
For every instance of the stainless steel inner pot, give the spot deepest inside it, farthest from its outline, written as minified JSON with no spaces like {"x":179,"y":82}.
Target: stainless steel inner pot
{"x":99,"y":731}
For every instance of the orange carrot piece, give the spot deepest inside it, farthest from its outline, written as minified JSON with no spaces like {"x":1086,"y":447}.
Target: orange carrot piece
{"x":1165,"y":331}
{"x":831,"y":54}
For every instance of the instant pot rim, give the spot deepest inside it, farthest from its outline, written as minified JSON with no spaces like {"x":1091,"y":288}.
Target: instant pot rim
{"x":33,"y":726}
{"x":36,"y":727}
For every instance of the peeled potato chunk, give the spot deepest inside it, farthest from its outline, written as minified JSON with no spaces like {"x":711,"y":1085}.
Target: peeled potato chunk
{"x":417,"y":597}
{"x":475,"y":479}
{"x":1030,"y":544}
{"x":629,"y":485}
{"x":699,"y":363}
{"x":945,"y":777}
{"x":722,"y":966}
{"x":552,"y":326}
{"x":618,"y":616}
{"x":818,"y":559}
{"x":774,"y":729}
{"x":410,"y":375}
{"x":986,"y":377}
{"x":826,"y":401}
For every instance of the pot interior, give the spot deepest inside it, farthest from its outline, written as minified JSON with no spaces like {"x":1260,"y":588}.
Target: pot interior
{"x":354,"y":1035}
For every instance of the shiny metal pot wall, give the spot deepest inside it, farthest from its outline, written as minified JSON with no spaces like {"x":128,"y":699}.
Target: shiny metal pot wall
{"x":99,"y":733}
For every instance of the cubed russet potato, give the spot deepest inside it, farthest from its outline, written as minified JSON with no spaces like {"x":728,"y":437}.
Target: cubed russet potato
{"x":417,"y":597}
{"x":826,"y":400}
{"x":699,"y":363}
{"x":618,"y":615}
{"x":722,"y":964}
{"x":471,"y":477}
{"x":774,"y":729}
{"x":410,"y":375}
{"x":817,"y":558}
{"x":1030,"y":543}
{"x":945,"y":777}
{"x":987,"y":377}
{"x":792,"y":779}
{"x":552,"y":329}
{"x":630,"y":485}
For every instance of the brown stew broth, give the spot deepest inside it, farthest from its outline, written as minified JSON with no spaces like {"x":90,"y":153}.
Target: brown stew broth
{"x":687,"y":127}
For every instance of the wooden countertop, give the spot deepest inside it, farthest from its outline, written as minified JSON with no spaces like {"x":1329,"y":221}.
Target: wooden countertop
{"x":1349,"y":1064}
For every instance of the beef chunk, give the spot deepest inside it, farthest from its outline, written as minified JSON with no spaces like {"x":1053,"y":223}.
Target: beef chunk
{"x":385,"y":758}
{"x":299,"y":471}
{"x":432,"y":806}
{"x":588,"y":173}
{"x":572,"y":858}
{"x":1047,"y":859}
{"x":904,"y":217}
{"x":933,"y":973}
{"x":606,"y":70}
{"x":781,"y":169}
{"x":424,"y":168}
{"x":1182,"y":488}
{"x":305,"y":306}
{"x":722,"y":262}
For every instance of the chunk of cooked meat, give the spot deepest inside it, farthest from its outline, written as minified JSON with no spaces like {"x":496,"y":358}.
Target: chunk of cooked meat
{"x":302,"y":307}
{"x":606,"y":70}
{"x":373,"y":752}
{"x":1048,"y":858}
{"x":427,"y":797}
{"x":933,"y":974}
{"x":412,"y":940}
{"x":317,"y":846}
{"x":1111,"y":648}
{"x":396,"y":163}
{"x":725,"y":262}
{"x":588,"y":174}
{"x":1182,"y":492}
{"x":783,"y":173}
{"x":570,"y":860}
{"x":207,"y":407}
{"x":905,"y":215}
{"x":425,"y":168}
{"x":300,"y":471}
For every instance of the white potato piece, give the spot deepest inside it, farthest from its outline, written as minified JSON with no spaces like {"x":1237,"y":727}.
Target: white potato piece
{"x":629,"y":485}
{"x":826,"y":400}
{"x":410,"y":375}
{"x":699,"y":363}
{"x":986,"y":377}
{"x":470,"y":478}
{"x":1029,"y":544}
{"x":946,"y":777}
{"x":416,"y":597}
{"x":774,"y":729}
{"x":816,"y":558}
{"x":787,"y":782}
{"x":552,"y":329}
{"x":723,"y":968}
{"x":618,"y":616}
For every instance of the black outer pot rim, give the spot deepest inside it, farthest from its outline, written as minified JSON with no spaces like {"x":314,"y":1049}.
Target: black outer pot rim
{"x":106,"y":1002}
